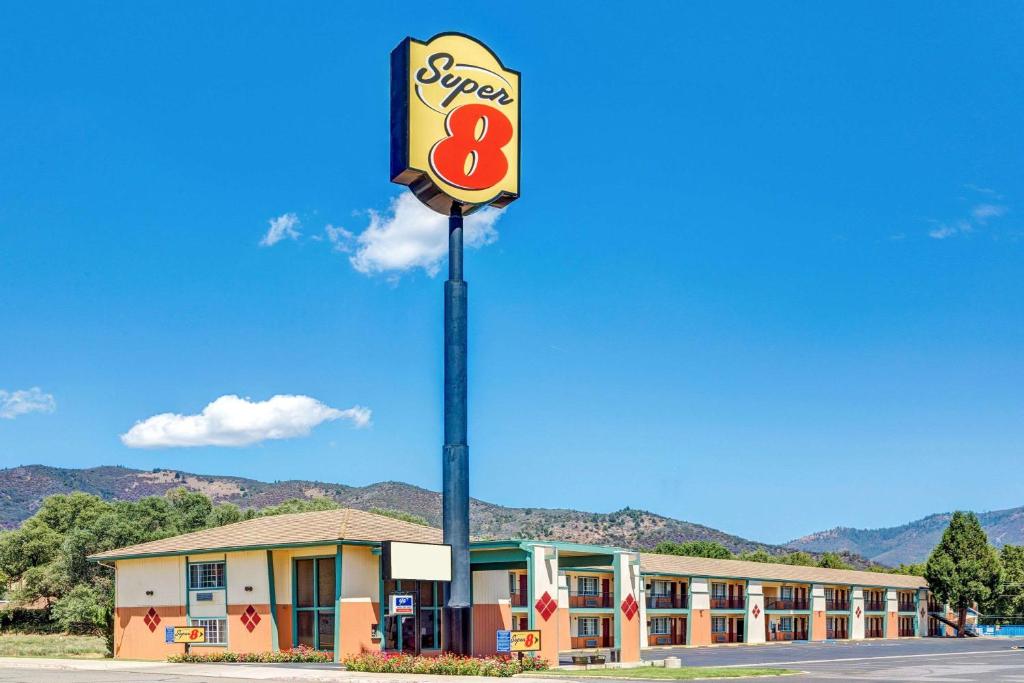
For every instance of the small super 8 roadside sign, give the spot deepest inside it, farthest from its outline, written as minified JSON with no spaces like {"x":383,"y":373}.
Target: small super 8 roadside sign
{"x":525,"y":641}
{"x":185,"y":634}
{"x":454,"y":123}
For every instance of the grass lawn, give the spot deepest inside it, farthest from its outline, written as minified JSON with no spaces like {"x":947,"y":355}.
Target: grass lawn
{"x":686,"y":673}
{"x":28,"y":645}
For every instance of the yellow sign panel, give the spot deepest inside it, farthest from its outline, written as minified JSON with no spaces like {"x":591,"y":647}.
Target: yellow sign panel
{"x":189,"y":634}
{"x":454,"y":123}
{"x":525,"y":641}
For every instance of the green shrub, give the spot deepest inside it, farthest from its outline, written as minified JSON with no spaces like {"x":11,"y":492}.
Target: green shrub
{"x":447,"y":665}
{"x":301,"y":654}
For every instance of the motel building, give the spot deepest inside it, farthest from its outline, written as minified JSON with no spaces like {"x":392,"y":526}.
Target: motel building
{"x":319,"y":579}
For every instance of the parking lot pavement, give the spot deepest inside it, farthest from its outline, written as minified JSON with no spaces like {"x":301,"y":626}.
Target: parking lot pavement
{"x":773,"y":654}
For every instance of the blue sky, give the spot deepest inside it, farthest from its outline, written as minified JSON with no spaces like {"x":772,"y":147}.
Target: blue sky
{"x":765,"y":272}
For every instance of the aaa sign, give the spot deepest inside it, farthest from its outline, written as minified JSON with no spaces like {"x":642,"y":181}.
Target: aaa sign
{"x":454,"y":123}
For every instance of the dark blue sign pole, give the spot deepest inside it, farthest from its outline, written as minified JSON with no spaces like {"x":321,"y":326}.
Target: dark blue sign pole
{"x":455,"y":502}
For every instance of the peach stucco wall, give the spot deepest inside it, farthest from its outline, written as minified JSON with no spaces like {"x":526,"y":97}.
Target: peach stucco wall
{"x":134,"y":640}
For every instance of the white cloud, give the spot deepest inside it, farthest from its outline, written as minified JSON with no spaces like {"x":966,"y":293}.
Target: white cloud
{"x":22,"y":401}
{"x":982,"y":212}
{"x":280,"y":228}
{"x":339,"y":237}
{"x":979,"y":216}
{"x":409,"y":235}
{"x":234,"y":421}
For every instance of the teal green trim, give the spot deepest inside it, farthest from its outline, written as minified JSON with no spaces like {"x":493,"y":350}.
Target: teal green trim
{"x":746,"y":610}
{"x":531,"y":574}
{"x":337,"y":605}
{"x":188,"y":593}
{"x":617,"y":565}
{"x":572,"y":561}
{"x":495,"y":566}
{"x":381,"y":603}
{"x":275,"y":644}
{"x":492,"y":556}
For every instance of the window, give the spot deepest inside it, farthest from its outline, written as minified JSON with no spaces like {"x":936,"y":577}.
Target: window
{"x":513,"y":583}
{"x":587,"y":585}
{"x":587,"y":626}
{"x":314,"y":602}
{"x":786,"y":624}
{"x":206,"y":575}
{"x":660,"y":626}
{"x":662,"y":589}
{"x":830,"y":593}
{"x":718,"y":590}
{"x":216,"y":630}
{"x":786,"y":592}
{"x":718,"y":624}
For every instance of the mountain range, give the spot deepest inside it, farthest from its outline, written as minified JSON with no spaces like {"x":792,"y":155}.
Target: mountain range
{"x":22,"y":489}
{"x":911,"y":542}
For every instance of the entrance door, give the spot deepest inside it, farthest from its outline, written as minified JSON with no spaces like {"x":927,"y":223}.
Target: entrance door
{"x":314,"y":602}
{"x":606,"y":632}
{"x":739,"y":630}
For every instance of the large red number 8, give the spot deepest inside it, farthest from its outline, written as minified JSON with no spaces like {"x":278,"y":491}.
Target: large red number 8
{"x":487,"y":163}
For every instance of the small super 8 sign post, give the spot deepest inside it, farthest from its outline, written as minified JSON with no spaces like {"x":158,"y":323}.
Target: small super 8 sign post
{"x":525,"y":641}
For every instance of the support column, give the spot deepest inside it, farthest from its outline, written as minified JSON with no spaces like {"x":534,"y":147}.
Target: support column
{"x":755,"y":619}
{"x":699,"y":623}
{"x":856,"y":608}
{"x":892,"y":614}
{"x":455,"y":461}
{"x":819,"y":626}
{"x":626,"y":605}
{"x":645,"y":636}
{"x":544,"y":610}
{"x":922,"y":613}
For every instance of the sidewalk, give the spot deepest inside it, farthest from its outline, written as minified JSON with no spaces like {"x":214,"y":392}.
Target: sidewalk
{"x":255,"y":672}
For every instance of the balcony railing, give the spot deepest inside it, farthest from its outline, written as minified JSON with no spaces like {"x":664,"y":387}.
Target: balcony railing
{"x":590,"y":600}
{"x":838,"y":604}
{"x":874,"y":605}
{"x":518,"y":599}
{"x":934,"y":607}
{"x":907,"y":607}
{"x":786,"y":603}
{"x":589,"y":642}
{"x":788,"y":635}
{"x":668,"y":601}
{"x":727,"y":637}
{"x":728,"y":603}
{"x":836,"y":634}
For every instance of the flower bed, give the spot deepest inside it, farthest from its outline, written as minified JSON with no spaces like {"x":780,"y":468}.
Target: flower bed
{"x":447,"y":665}
{"x":299,"y":654}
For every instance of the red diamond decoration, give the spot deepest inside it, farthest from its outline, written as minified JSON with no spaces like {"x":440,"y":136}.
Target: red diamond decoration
{"x":922,"y":611}
{"x":545,"y":606}
{"x":152,"y":619}
{"x":629,"y":607}
{"x":757,"y":611}
{"x":858,"y":611}
{"x":250,"y":618}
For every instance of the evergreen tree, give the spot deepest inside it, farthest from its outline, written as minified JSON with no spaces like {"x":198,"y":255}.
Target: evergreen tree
{"x":963,"y":569}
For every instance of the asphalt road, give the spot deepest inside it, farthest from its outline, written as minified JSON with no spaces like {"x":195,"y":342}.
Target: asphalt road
{"x":929,"y":660}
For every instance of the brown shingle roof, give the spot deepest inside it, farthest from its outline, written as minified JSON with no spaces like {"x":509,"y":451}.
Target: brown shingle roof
{"x":651,"y":563}
{"x":299,"y":528}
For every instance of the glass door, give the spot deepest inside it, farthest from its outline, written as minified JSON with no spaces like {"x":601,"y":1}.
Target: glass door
{"x":314,"y":602}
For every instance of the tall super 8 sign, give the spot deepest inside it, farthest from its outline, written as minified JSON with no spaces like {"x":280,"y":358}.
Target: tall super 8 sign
{"x":454,"y":123}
